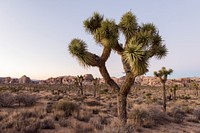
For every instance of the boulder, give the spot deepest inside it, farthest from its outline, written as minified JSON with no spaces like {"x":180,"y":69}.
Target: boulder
{"x":24,"y":80}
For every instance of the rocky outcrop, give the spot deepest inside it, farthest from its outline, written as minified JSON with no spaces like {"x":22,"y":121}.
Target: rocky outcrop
{"x":5,"y":80}
{"x":88,"y":77}
{"x":24,"y":80}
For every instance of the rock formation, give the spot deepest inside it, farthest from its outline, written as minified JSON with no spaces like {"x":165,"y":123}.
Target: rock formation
{"x":24,"y":80}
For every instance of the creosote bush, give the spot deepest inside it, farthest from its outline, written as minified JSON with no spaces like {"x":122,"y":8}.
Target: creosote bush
{"x":26,"y":99}
{"x":147,"y":116}
{"x":68,"y":107}
{"x":7,"y":99}
{"x":196,"y":113}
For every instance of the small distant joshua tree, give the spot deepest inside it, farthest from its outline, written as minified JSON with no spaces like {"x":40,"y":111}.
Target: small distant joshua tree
{"x":95,"y":85}
{"x":173,"y":89}
{"x":79,"y":83}
{"x":142,"y":42}
{"x":196,"y":87}
{"x":162,"y":75}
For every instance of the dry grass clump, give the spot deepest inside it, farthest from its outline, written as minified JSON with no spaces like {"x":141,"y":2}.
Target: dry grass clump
{"x":3,"y":115}
{"x":26,"y":99}
{"x":63,"y":122}
{"x":7,"y":99}
{"x":177,"y":113}
{"x":23,"y":121}
{"x":196,"y":113}
{"x":57,"y":115}
{"x":96,"y":122}
{"x":147,"y":116}
{"x":83,"y":128}
{"x":84,"y":115}
{"x":116,"y":127}
{"x":47,"y":123}
{"x":69,"y":108}
{"x":93,"y":103}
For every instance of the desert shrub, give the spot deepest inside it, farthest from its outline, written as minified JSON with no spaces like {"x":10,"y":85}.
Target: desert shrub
{"x":196,"y":113}
{"x":57,"y":115}
{"x":49,"y":107}
{"x":147,"y":117}
{"x":68,"y":107}
{"x":28,"y":114}
{"x":3,"y":115}
{"x":192,"y":119}
{"x":80,"y":128}
{"x":47,"y":123}
{"x":6,"y":99}
{"x":138,"y":116}
{"x":186,"y":97}
{"x":177,"y":113}
{"x":32,"y":128}
{"x":26,"y":99}
{"x":63,"y":122}
{"x":116,"y":127}
{"x":95,"y":121}
{"x":84,"y":116}
{"x":93,"y":103}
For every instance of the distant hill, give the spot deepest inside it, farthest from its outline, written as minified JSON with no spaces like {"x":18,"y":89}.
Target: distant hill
{"x":142,"y":80}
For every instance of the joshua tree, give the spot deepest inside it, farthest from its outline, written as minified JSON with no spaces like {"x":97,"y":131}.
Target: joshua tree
{"x":173,"y":89}
{"x":196,"y":87}
{"x":142,"y":42}
{"x":162,"y":74}
{"x":95,"y":84}
{"x":79,"y":83}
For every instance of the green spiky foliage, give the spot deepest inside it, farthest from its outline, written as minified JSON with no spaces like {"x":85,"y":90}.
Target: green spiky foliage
{"x":195,"y":85}
{"x":78,"y":81}
{"x":162,"y":75}
{"x":142,"y":42}
{"x":78,"y":49}
{"x":173,"y":89}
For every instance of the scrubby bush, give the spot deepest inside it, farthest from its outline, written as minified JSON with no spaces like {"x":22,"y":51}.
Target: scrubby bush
{"x":7,"y":99}
{"x":84,"y":116}
{"x":116,"y":127}
{"x":196,"y":113}
{"x":57,"y":115}
{"x":147,"y":117}
{"x":47,"y":123}
{"x":80,"y":128}
{"x":26,"y":99}
{"x":63,"y":122}
{"x":177,"y":113}
{"x":68,"y":107}
{"x":32,"y":128}
{"x":93,"y":103}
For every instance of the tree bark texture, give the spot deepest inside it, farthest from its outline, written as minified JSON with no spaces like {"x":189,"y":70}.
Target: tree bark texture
{"x":164,"y":97}
{"x":121,"y":108}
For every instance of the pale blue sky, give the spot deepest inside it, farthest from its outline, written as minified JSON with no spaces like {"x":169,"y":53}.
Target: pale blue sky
{"x":34,"y":35}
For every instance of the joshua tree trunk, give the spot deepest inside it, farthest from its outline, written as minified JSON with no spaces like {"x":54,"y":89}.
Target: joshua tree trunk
{"x":121,"y":108}
{"x":122,"y":98}
{"x":197,"y":93}
{"x":164,"y":97}
{"x":95,"y":91}
{"x":174,"y":97}
{"x":122,"y":92}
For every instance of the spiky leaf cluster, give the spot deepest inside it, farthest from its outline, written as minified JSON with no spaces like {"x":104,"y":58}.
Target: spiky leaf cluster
{"x":128,"y":25}
{"x":93,"y":23}
{"x":163,"y":73}
{"x":107,"y":34}
{"x":135,"y":55}
{"x":78,"y":49}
